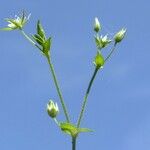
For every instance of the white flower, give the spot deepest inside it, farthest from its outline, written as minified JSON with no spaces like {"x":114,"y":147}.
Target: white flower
{"x":120,"y":35}
{"x":52,"y":109}
{"x":102,"y":41}
{"x":18,"y":22}
{"x":97,"y":25}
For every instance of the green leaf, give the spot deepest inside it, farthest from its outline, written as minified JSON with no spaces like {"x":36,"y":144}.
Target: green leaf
{"x":6,"y":29}
{"x":72,"y":130}
{"x":97,"y":40}
{"x":47,"y":45}
{"x":69,"y":128}
{"x":84,"y":130}
{"x":38,"y":39}
{"x":40,"y":30}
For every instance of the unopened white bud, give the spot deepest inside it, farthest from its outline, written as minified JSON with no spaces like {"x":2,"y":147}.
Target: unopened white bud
{"x":97,"y":25}
{"x":120,"y":35}
{"x":52,"y":109}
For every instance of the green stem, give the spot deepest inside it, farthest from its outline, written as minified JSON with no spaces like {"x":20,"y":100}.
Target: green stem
{"x":86,"y":96}
{"x":73,"y":143}
{"x":58,"y":89}
{"x":30,"y":40}
{"x":56,"y":121}
{"x":53,"y":74}
{"x":111,"y":51}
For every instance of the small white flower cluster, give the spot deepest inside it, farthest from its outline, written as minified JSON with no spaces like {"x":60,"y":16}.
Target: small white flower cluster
{"x":103,"y":41}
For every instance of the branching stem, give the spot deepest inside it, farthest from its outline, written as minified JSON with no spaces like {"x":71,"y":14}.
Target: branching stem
{"x":53,"y":74}
{"x":86,"y":96}
{"x":89,"y":87}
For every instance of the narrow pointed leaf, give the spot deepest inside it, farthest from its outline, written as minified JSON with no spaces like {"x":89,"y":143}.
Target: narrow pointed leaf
{"x":84,"y":130}
{"x":37,"y":39}
{"x":6,"y":29}
{"x":46,"y":46}
{"x":40,"y":30}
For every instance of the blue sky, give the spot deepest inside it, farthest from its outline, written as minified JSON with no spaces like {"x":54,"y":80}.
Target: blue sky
{"x":118,"y":105}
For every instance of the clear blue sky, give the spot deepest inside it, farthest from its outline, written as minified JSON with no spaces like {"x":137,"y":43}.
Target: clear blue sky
{"x":118,"y":107}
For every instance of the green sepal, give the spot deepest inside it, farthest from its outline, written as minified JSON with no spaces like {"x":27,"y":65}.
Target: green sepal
{"x":46,"y":46}
{"x":23,"y":20}
{"x":97,"y":41}
{"x":72,"y":130}
{"x":99,"y":60}
{"x":40,"y":30}
{"x":7,"y":29}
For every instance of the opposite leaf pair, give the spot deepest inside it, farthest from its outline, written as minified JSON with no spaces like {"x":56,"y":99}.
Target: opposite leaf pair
{"x":43,"y":42}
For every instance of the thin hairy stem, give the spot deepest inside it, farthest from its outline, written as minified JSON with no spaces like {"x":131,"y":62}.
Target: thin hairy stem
{"x":74,"y":143}
{"x":58,"y":89}
{"x":86,"y":96}
{"x":56,"y":121}
{"x":30,"y":40}
{"x":89,"y":87}
{"x":111,"y":52}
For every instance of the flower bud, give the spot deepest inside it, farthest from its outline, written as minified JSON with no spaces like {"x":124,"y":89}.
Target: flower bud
{"x":97,"y":25}
{"x":99,"y":60}
{"x":119,"y":36}
{"x":52,"y":109}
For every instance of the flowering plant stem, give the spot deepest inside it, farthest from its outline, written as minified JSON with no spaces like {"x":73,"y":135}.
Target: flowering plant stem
{"x":53,"y":74}
{"x":90,"y":85}
{"x":86,"y":96}
{"x":111,"y":52}
{"x":74,"y":143}
{"x":59,"y":92}
{"x":28,"y":38}
{"x":58,"y":89}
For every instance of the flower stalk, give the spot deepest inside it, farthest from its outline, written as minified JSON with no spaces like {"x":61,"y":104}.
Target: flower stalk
{"x":58,"y":89}
{"x":111,"y":52}
{"x":86,"y":96}
{"x":53,"y":74}
{"x":30,"y":40}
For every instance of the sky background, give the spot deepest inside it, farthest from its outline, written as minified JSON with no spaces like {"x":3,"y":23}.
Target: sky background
{"x":118,"y":108}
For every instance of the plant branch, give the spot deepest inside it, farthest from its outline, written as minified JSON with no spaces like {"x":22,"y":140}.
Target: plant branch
{"x":86,"y":96}
{"x":56,"y":121}
{"x":58,"y":89}
{"x":53,"y":74}
{"x":111,"y":52}
{"x":30,"y":40}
